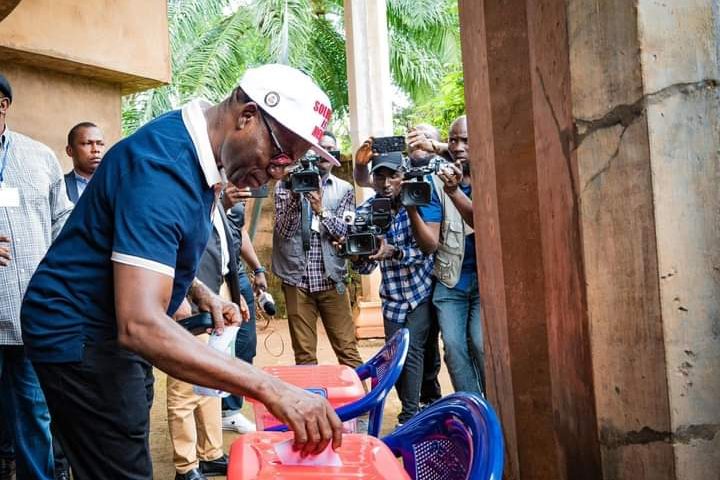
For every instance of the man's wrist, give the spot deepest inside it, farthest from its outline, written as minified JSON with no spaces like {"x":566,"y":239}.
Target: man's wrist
{"x":398,"y":254}
{"x":259,"y":270}
{"x":198,"y":291}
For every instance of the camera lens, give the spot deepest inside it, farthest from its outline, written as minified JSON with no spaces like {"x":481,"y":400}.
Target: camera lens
{"x":361,"y":244}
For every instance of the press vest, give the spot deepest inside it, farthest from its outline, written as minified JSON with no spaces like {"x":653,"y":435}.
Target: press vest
{"x":453,"y":230}
{"x":289,"y":258}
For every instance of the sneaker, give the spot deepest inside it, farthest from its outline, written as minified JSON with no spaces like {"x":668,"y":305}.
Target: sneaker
{"x":238,"y":423}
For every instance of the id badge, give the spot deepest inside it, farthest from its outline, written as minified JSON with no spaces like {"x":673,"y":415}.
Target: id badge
{"x":9,"y":197}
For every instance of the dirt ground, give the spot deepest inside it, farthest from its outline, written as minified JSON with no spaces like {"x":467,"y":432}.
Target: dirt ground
{"x":273,"y":349}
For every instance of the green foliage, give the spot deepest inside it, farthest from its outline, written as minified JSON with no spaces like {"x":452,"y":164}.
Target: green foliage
{"x":212,"y":42}
{"x":442,"y":108}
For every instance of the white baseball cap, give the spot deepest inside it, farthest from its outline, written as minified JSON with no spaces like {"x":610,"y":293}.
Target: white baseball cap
{"x":293,"y":99}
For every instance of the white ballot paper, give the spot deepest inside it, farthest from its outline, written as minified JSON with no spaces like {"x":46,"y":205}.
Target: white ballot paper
{"x":225,"y":343}
{"x":288,"y":456}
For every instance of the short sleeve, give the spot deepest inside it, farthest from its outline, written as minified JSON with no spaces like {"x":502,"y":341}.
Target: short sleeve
{"x":149,"y":211}
{"x":432,"y":212}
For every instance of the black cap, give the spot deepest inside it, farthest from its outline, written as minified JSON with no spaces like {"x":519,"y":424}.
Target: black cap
{"x":391,"y":160}
{"x":5,"y":87}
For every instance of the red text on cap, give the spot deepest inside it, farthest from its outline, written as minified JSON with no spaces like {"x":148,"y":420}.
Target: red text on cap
{"x":323,"y":110}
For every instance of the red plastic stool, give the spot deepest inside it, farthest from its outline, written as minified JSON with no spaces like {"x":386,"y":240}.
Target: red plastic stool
{"x":252,"y":457}
{"x":338,"y":383}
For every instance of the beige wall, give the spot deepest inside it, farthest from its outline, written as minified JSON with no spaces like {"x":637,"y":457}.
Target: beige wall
{"x":71,"y":60}
{"x":125,"y":41}
{"x":47,"y":104}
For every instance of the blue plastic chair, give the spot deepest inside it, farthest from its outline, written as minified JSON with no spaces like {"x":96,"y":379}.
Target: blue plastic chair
{"x":458,"y":437}
{"x":384,"y":370}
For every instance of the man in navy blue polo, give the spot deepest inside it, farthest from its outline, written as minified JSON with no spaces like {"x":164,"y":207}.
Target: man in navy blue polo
{"x":97,"y":313}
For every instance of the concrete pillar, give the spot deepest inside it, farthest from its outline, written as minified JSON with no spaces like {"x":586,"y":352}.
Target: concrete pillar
{"x":370,"y":93}
{"x":594,"y":126}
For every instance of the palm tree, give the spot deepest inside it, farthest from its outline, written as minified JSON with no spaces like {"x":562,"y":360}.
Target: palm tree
{"x":213,"y":41}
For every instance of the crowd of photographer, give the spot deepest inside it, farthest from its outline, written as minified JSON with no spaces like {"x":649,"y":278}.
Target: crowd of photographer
{"x":417,"y":229}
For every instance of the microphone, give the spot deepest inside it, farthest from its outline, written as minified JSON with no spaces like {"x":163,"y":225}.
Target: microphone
{"x":267,"y":303}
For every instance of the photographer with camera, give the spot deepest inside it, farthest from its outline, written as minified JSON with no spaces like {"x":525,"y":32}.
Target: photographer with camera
{"x":406,"y":286}
{"x":314,"y":277}
{"x":445,"y":226}
{"x":423,"y":145}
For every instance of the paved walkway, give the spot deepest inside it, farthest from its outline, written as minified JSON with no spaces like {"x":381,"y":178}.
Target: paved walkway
{"x":273,"y":349}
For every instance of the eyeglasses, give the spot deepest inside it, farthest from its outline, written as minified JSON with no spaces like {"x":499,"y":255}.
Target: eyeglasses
{"x":280,"y":159}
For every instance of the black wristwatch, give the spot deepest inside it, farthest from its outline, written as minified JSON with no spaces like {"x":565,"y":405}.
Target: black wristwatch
{"x":397,"y":254}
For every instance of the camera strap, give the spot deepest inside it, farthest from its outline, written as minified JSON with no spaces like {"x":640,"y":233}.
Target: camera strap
{"x":305,"y":222}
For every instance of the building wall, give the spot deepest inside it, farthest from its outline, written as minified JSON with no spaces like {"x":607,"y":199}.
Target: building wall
{"x":124,"y":40}
{"x":71,"y":61}
{"x":47,"y":104}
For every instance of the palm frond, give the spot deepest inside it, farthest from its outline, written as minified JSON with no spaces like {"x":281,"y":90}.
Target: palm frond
{"x":217,"y":59}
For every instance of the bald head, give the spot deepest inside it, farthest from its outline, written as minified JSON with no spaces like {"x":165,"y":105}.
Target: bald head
{"x":418,"y":156}
{"x":431,"y":132}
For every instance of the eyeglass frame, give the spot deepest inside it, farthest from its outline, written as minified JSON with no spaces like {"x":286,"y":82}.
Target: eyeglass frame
{"x":276,"y":143}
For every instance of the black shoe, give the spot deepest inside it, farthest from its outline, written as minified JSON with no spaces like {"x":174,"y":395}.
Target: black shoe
{"x":194,"y":474}
{"x":214,"y":468}
{"x":7,"y":468}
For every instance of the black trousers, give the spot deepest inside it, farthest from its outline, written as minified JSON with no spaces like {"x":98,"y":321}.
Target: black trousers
{"x":408,"y":386}
{"x":101,"y":412}
{"x":430,"y":390}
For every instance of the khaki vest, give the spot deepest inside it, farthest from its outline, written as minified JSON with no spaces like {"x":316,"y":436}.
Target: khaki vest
{"x":453,"y":230}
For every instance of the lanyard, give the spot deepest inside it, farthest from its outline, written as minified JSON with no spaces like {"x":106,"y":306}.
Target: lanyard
{"x":3,"y":164}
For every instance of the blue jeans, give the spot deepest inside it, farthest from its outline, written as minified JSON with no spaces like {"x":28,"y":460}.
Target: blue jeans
{"x":459,"y":316}
{"x":26,"y":414}
{"x":246,"y":340}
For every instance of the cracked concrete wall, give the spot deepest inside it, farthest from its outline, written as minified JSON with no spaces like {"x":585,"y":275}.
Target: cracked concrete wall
{"x":645,"y":105}
{"x":679,"y":55}
{"x":617,"y":225}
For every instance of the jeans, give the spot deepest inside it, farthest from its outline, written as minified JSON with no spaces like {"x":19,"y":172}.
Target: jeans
{"x":246,"y":340}
{"x":418,"y":322}
{"x":459,"y":316}
{"x":26,"y":414}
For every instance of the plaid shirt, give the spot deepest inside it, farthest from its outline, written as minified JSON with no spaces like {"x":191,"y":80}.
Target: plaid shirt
{"x":33,"y":169}
{"x":287,"y":222}
{"x":405,"y":283}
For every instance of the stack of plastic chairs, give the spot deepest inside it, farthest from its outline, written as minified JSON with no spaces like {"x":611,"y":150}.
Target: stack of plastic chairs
{"x":384,"y":370}
{"x":456,"y":438}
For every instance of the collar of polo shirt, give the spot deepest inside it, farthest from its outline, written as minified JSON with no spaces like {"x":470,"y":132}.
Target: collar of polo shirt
{"x":193,"y":115}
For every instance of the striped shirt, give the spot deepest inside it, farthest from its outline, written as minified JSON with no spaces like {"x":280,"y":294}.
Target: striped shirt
{"x":33,"y":169}
{"x":406,"y":283}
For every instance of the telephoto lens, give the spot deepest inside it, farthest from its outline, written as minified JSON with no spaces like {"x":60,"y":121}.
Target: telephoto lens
{"x":267,"y":303}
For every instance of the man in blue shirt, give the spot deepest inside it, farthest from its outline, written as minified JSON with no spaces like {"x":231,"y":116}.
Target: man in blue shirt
{"x":445,"y":226}
{"x":406,"y":286}
{"x":97,"y":313}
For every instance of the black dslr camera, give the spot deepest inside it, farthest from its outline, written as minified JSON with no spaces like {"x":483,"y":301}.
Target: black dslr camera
{"x":415,"y":191}
{"x":361,"y":240}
